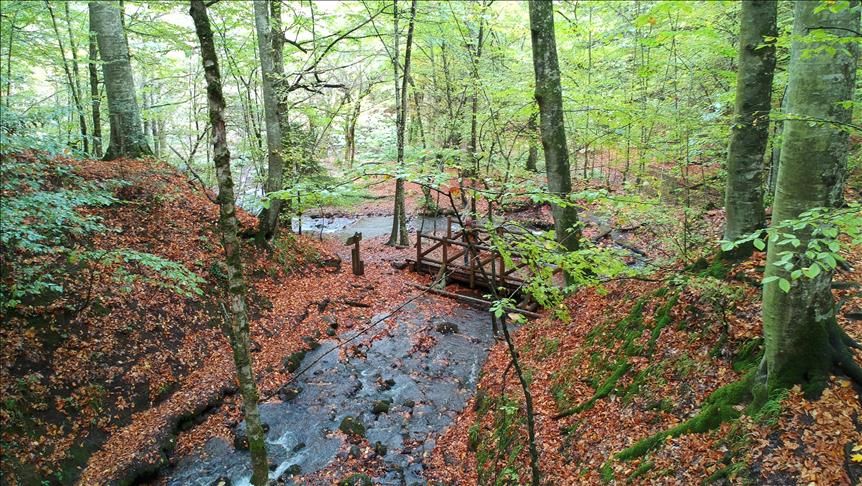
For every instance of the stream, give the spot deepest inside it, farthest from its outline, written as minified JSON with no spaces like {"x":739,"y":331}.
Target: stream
{"x":341,"y":227}
{"x":427,"y":385}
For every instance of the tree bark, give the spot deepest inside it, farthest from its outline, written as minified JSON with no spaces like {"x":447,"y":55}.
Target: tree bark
{"x":549,"y":95}
{"x":799,"y":326}
{"x":268,"y":218}
{"x":239,"y":329}
{"x":95,"y":97}
{"x":750,"y":131}
{"x":127,"y":136}
{"x":399,"y":235}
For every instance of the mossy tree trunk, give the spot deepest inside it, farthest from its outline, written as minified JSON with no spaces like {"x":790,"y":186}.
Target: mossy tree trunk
{"x":127,"y":135}
{"x":549,"y":95}
{"x":803,"y":340}
{"x":268,"y":217}
{"x":750,"y":130}
{"x":398,"y":235}
{"x":239,"y":331}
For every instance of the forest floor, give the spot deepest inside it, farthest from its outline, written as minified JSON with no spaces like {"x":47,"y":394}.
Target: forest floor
{"x":139,"y":381}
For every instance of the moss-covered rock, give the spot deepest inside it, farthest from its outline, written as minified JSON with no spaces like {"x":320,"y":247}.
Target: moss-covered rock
{"x":352,"y":426}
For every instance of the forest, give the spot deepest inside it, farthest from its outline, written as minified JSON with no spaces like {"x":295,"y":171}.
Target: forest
{"x":444,"y":242}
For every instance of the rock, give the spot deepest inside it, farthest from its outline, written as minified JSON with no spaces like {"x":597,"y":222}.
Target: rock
{"x":352,"y":426}
{"x":221,"y":481}
{"x":381,"y":406}
{"x":330,"y":331}
{"x":292,"y":362}
{"x":447,"y":327}
{"x":380,"y":449}
{"x":332,"y":321}
{"x":398,"y":265}
{"x":298,"y":447}
{"x":292,"y":470}
{"x":323,"y":304}
{"x":288,"y":392}
{"x":356,"y":480}
{"x":854,"y":315}
{"x":254,"y":347}
{"x":387,"y":384}
{"x":311,"y":342}
{"x":354,"y":452}
{"x":409,"y":403}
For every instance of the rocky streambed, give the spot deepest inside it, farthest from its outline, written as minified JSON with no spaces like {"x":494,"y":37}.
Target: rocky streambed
{"x":399,"y":390}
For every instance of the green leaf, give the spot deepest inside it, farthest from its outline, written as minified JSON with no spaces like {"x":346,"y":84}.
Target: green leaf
{"x":812,"y":271}
{"x":727,"y":245}
{"x":770,"y":278}
{"x":784,"y":285}
{"x":759,"y":244}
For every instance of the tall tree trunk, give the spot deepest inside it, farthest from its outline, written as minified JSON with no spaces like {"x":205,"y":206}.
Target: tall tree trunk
{"x":277,"y":39}
{"x":474,"y":110}
{"x":549,"y":95}
{"x":399,"y":234}
{"x":127,"y":136}
{"x":268,"y":218}
{"x":750,"y":131}
{"x":95,"y":97}
{"x":72,"y":78}
{"x":239,"y":331}
{"x":803,"y":340}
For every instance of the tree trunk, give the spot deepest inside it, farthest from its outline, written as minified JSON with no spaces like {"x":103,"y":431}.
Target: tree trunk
{"x":549,"y":95}
{"x":95,"y":97}
{"x":73,"y":78}
{"x":533,"y":154}
{"x":127,"y":137}
{"x":803,"y":340}
{"x":399,"y":234}
{"x":228,"y":224}
{"x":750,"y":131}
{"x":275,"y":172}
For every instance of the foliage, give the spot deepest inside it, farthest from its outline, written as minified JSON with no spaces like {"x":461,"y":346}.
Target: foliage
{"x":821,"y":234}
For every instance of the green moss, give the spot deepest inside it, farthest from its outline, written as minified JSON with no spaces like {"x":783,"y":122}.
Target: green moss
{"x":642,"y":469}
{"x":607,"y":473}
{"x":748,"y":355}
{"x":719,"y":407}
{"x":604,"y":390}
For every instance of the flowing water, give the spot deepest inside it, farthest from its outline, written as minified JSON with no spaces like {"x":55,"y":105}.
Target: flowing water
{"x":427,"y":386}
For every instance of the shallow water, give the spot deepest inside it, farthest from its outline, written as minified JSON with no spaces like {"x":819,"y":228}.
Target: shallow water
{"x":440,"y":380}
{"x":342,"y":228}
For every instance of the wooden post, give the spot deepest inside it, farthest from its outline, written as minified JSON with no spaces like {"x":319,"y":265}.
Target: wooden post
{"x":448,"y":227}
{"x":356,"y":263}
{"x":418,"y":251}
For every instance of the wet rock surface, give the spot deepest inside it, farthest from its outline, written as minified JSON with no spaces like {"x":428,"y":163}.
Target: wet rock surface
{"x":423,"y":389}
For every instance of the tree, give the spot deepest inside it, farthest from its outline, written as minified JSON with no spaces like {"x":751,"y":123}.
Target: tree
{"x":549,"y":95}
{"x":802,"y":338}
{"x":72,"y":75}
{"x":268,"y":218}
{"x":399,"y":236}
{"x":127,"y":136}
{"x":95,"y":96}
{"x":750,"y":130}
{"x":238,"y":331}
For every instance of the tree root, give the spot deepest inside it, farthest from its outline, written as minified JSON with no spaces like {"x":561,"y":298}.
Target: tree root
{"x":842,"y":354}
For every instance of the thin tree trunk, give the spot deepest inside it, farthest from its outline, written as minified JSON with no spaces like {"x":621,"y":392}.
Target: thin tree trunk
{"x":239,"y":329}
{"x":72,"y":78}
{"x":95,"y":97}
{"x":802,"y":337}
{"x":399,"y":234}
{"x":549,"y":95}
{"x":127,"y":137}
{"x":533,"y":154}
{"x":268,"y":218}
{"x":750,"y":130}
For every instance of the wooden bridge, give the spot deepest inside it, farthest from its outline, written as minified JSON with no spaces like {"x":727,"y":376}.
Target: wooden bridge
{"x":467,"y":256}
